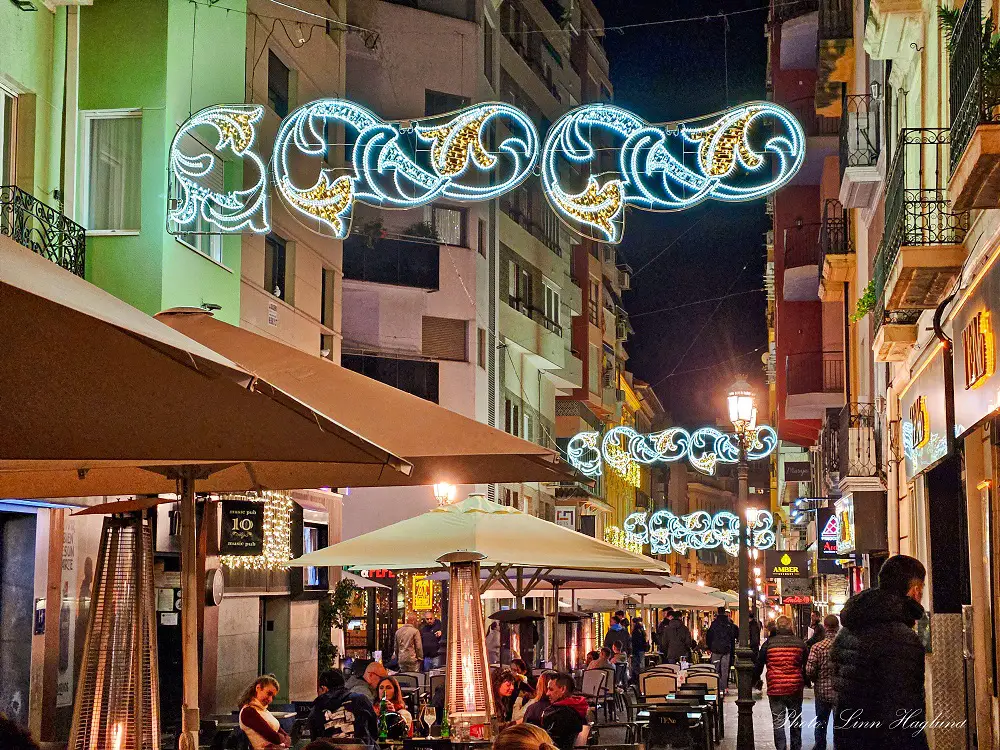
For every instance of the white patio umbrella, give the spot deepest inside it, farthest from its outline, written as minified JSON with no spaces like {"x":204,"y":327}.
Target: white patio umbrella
{"x":681,"y":596}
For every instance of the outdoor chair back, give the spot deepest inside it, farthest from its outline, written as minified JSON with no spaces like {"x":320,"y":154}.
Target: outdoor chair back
{"x":709,"y":680}
{"x":594,"y":683}
{"x":702,"y":668}
{"x":408,"y":679}
{"x":672,"y":668}
{"x":656,"y":685}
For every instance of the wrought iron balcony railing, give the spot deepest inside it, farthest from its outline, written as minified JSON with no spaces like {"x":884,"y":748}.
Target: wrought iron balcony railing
{"x":858,"y":442}
{"x":917,"y":208}
{"x":813,"y":124}
{"x":42,"y":229}
{"x":860,"y":137}
{"x":814,"y":372}
{"x":834,"y":235}
{"x":975,"y":96}
{"x":802,"y":245}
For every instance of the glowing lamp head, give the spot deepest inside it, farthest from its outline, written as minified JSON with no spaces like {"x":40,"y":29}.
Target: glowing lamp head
{"x":701,"y":582}
{"x":742,"y":406}
{"x":445,"y":493}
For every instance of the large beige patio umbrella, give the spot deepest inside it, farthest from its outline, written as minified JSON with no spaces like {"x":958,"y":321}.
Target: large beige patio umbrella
{"x":680,"y":596}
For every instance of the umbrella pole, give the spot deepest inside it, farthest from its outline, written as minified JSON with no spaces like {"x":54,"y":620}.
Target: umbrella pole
{"x":557,"y":631}
{"x":190,"y":715}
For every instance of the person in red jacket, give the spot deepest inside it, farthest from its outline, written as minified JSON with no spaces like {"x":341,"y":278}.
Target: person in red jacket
{"x":784,"y":655}
{"x":566,"y":714}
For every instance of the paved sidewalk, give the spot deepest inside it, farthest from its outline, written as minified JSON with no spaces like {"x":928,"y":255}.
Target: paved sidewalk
{"x":763,"y":734}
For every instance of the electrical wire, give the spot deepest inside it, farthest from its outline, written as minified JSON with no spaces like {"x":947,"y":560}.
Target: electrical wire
{"x":633,"y":316}
{"x":712,"y":366}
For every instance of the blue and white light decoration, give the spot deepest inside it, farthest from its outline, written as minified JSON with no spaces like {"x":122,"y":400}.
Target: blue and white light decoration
{"x":233,"y":211}
{"x":401,"y":165}
{"x":665,"y":532}
{"x":705,"y":448}
{"x":666,"y":167}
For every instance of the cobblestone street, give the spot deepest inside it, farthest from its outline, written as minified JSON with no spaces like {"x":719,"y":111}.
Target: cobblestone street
{"x":763,"y":735}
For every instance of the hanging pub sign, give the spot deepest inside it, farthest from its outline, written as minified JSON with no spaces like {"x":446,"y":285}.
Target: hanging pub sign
{"x":925,"y":432}
{"x":783,"y":563}
{"x":742,"y":153}
{"x":798,"y":471}
{"x":828,"y":524}
{"x":976,"y":382}
{"x":242,"y":528}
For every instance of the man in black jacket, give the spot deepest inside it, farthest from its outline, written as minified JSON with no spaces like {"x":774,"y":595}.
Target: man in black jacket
{"x":431,"y":635}
{"x":566,"y":714}
{"x":878,"y":663}
{"x":675,"y":639}
{"x":337,"y":712}
{"x":721,"y":641}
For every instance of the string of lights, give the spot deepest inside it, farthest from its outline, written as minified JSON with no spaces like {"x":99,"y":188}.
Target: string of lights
{"x":666,"y":532}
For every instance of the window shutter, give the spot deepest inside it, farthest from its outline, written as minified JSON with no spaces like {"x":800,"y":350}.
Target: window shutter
{"x":444,"y":338}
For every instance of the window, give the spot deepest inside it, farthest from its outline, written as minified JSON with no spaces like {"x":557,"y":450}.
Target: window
{"x":326,"y":297}
{"x":519,"y":292}
{"x":418,"y":377}
{"x":511,"y":499}
{"x":526,"y":430}
{"x":278,"y":76}
{"x":449,"y":225}
{"x":314,"y":538}
{"x":594,"y":369}
{"x":444,"y":338}
{"x":551,"y":302}
{"x":481,"y":347}
{"x":592,"y":303}
{"x":488,"y":51}
{"x":114,"y":171}
{"x":275,"y":250}
{"x":439,"y":103}
{"x":397,"y":262}
{"x":482,"y":238}
{"x":511,"y":417}
{"x":8,"y":117}
{"x":203,"y":236}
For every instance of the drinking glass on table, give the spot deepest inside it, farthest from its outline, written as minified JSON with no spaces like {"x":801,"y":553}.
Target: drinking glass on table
{"x":430,"y":716}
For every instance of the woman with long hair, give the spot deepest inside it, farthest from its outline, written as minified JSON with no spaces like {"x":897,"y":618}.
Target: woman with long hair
{"x":534,"y":710}
{"x":260,"y":725}
{"x":388,"y":690}
{"x":523,"y":737}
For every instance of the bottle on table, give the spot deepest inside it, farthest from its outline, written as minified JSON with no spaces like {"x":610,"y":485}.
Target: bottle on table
{"x":383,"y":724}
{"x":445,"y":727}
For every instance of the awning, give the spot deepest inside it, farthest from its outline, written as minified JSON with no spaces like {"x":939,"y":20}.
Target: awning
{"x":100,"y":399}
{"x":442,"y":445}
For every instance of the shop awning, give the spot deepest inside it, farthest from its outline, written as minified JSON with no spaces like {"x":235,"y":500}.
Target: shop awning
{"x":505,"y":536}
{"x":100,"y":399}
{"x":442,"y":445}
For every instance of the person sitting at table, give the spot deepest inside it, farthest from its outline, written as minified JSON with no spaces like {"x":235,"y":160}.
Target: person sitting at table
{"x":339,"y":712}
{"x":513,"y":695}
{"x":523,"y":737}
{"x":592,"y":656}
{"x":603,"y":660}
{"x":259,"y":725}
{"x":390,"y":692}
{"x":374,"y":672}
{"x":537,"y":705}
{"x":565,"y":717}
{"x":521,"y":670}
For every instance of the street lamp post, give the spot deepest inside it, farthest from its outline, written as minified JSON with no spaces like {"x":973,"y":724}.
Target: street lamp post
{"x":743,"y":414}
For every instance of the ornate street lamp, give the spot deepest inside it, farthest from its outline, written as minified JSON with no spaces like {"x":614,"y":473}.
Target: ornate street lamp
{"x":743,"y":415}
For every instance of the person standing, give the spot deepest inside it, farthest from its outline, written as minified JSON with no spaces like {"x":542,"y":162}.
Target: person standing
{"x":493,"y":643}
{"x":754,"y":636}
{"x":409,"y":651}
{"x":721,"y":642}
{"x":879,"y":663}
{"x":617,"y":634}
{"x":640,"y":645}
{"x":784,"y":657}
{"x":818,"y":632}
{"x":819,"y":669}
{"x":676,"y":642}
{"x":431,"y":633}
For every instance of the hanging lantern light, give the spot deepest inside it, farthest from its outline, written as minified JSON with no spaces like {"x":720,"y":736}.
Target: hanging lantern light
{"x":117,"y":697}
{"x":469,"y":695}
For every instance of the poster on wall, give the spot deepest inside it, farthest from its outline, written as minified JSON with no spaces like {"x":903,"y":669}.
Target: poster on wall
{"x":423,"y":593}
{"x":566,"y":517}
{"x":81,"y":541}
{"x":242,"y":528}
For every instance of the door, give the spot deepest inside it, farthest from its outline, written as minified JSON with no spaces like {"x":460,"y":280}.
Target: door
{"x":17,"y":590}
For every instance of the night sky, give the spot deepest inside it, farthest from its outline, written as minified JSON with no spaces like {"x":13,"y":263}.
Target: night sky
{"x":675,"y":71}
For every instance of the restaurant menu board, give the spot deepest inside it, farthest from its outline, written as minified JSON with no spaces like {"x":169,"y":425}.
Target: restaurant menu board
{"x":242,"y":528}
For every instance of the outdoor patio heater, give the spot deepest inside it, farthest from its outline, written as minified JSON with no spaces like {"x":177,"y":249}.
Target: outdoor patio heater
{"x":469,"y":695}
{"x":117,"y":697}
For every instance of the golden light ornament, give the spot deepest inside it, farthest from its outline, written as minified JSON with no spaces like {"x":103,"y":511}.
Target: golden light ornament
{"x":277,"y":546}
{"x":453,"y":144}
{"x":468,"y":694}
{"x":596,"y":205}
{"x":330,"y":201}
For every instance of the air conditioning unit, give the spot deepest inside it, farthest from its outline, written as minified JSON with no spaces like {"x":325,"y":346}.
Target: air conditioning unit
{"x":609,"y":377}
{"x":624,"y":278}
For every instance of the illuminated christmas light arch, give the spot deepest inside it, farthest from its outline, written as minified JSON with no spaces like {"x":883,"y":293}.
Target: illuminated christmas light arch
{"x":665,"y":167}
{"x":704,"y":448}
{"x":666,"y":532}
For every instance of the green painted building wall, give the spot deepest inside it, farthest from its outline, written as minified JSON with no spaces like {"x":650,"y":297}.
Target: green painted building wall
{"x":167,"y":58}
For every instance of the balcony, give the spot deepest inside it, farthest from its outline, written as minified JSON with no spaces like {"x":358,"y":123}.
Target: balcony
{"x":891,"y":27}
{"x":836,"y":254}
{"x":836,"y":19}
{"x":975,"y":116}
{"x":814,"y":382}
{"x":42,"y":229}
{"x":392,"y":261}
{"x":921,"y":253}
{"x":539,"y":221}
{"x":860,"y":147}
{"x":814,"y":125}
{"x":852,"y":447}
{"x":786,"y":11}
{"x":802,"y":251}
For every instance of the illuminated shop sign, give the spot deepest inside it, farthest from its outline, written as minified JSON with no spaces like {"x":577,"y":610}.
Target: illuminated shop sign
{"x":924,"y":426}
{"x":665,"y":532}
{"x":828,"y":524}
{"x":920,"y":422}
{"x":786,"y":564}
{"x":705,"y":448}
{"x":978,"y":351}
{"x":740,"y":154}
{"x":844,"y":512}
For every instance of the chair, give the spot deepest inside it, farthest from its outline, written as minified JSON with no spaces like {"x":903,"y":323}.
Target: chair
{"x":618,"y":733}
{"x":709,"y":680}
{"x":703,"y":668}
{"x":595,"y":688}
{"x":655,"y":686}
{"x":408,"y":679}
{"x":672,"y":668}
{"x":671,"y":726}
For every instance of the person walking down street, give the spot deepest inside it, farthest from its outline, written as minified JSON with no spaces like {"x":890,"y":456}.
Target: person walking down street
{"x":259,"y":725}
{"x":409,"y":652}
{"x":617,"y":634}
{"x":338,"y":712}
{"x":431,"y":635}
{"x":676,"y":641}
{"x":565,"y":716}
{"x":818,"y":631}
{"x":784,"y":657}
{"x":879,"y":663}
{"x":819,"y":669}
{"x":721,"y":642}
{"x":640,"y":645}
{"x":754,"y":625}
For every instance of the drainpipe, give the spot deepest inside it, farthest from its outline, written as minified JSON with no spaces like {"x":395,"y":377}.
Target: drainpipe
{"x":847,"y":347}
{"x":70,"y":105}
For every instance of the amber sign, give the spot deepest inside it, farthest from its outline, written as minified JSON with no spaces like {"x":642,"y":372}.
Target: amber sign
{"x":978,"y":350}
{"x":423,"y":593}
{"x":920,"y":421}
